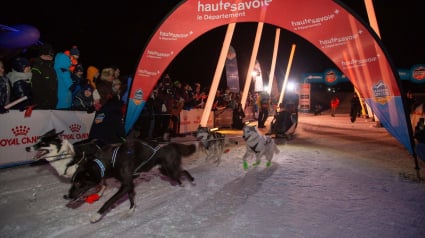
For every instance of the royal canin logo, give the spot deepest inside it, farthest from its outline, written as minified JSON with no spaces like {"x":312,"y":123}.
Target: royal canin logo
{"x":75,"y":128}
{"x":20,"y":130}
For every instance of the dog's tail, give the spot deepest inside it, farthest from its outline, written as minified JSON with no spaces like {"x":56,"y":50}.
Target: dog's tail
{"x":185,"y":149}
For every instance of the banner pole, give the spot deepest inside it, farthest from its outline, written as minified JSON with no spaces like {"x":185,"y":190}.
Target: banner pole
{"x":217,"y":75}
{"x":288,"y":69}
{"x":252,"y":63}
{"x":273,"y":66}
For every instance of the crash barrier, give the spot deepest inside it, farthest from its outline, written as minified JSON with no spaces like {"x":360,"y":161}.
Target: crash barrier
{"x":222,"y":118}
{"x":191,"y":119}
{"x":19,"y":130}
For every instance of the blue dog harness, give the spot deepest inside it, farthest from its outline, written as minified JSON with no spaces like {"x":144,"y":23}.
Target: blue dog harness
{"x":101,"y":167}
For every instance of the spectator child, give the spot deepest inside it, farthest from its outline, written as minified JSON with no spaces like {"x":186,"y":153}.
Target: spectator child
{"x":83,"y":100}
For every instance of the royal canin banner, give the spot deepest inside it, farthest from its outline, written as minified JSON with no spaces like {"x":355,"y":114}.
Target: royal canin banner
{"x":18,"y":131}
{"x":353,"y":46}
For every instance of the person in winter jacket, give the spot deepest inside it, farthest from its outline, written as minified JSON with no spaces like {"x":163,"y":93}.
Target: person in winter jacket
{"x":83,"y":100}
{"x":334,"y":105}
{"x":419,"y":135}
{"x":20,"y":79}
{"x":92,"y":77}
{"x":5,"y":89}
{"x":108,"y":124}
{"x":77,"y":80}
{"x":61,"y":66}
{"x":44,"y":79}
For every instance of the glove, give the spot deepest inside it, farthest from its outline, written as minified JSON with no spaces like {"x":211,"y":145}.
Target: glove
{"x":3,"y":110}
{"x":90,"y":110}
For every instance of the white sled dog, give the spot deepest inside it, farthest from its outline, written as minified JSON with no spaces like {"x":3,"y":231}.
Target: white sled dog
{"x":258,"y":145}
{"x":58,"y":152}
{"x":61,"y":154}
{"x":212,"y":142}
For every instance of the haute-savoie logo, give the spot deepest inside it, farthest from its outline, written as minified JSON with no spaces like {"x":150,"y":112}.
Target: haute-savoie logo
{"x":225,"y":10}
{"x":20,"y":135}
{"x":381,"y":92}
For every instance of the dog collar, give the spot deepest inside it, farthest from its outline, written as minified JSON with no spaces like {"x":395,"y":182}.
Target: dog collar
{"x":101,"y":167}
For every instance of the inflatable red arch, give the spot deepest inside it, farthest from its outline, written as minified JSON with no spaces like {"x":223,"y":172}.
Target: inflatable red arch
{"x":352,"y":46}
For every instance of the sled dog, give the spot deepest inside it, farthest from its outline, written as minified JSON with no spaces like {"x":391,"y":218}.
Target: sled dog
{"x":258,"y":145}
{"x":212,"y":142}
{"x":124,"y":163}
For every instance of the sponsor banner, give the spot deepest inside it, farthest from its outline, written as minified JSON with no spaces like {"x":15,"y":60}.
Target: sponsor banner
{"x":232,"y":73}
{"x":304,"y":97}
{"x":191,"y":119}
{"x":223,"y":118}
{"x":18,"y":131}
{"x":418,"y":73}
{"x":258,"y":77}
{"x":313,"y":78}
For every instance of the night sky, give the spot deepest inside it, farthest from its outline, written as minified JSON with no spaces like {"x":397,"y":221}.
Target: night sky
{"x":116,"y":34}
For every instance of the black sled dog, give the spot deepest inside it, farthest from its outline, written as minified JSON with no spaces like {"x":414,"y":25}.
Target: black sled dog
{"x":126,"y":162}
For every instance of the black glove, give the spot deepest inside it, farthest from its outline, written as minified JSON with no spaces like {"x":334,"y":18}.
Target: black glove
{"x":90,"y":110}
{"x":3,"y":110}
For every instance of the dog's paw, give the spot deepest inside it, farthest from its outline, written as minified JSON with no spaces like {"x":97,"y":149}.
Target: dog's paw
{"x":245,"y":165}
{"x":96,"y":217}
{"x":130,"y":212}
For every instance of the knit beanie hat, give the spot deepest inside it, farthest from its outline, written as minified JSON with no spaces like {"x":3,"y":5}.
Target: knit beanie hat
{"x":46,"y":49}
{"x":74,"y":51}
{"x":87,"y":87}
{"x":20,"y":63}
{"x":91,"y":72}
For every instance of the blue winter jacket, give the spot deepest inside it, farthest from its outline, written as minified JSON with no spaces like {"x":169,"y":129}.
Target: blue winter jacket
{"x":61,"y":66}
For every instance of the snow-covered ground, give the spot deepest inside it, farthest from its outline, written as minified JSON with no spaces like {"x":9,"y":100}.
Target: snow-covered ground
{"x":334,"y":179}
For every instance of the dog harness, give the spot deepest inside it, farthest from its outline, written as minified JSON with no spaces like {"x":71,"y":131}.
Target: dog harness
{"x":253,"y":148}
{"x":212,"y":137}
{"x":152,"y":155}
{"x":101,"y":167}
{"x":114,"y":155}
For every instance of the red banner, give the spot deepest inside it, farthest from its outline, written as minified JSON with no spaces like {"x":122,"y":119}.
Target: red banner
{"x":352,"y":46}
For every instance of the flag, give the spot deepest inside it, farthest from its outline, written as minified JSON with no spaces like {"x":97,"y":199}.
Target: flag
{"x":232,"y":74}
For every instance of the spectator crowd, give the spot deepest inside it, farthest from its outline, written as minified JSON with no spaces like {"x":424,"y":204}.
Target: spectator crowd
{"x":58,"y":81}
